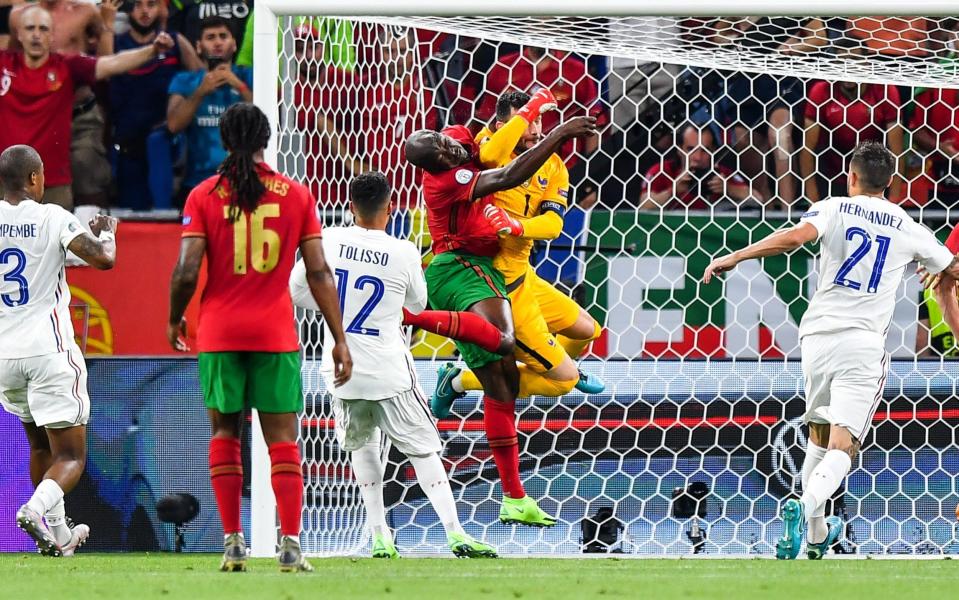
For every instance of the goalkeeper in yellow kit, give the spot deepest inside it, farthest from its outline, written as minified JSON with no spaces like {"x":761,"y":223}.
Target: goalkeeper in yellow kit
{"x":533,"y":211}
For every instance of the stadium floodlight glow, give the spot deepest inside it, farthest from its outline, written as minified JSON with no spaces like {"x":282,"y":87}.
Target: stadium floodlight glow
{"x":715,"y":376}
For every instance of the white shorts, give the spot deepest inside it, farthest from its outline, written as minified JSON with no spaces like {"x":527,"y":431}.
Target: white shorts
{"x":844,"y":375}
{"x":405,"y":419}
{"x":49,"y":390}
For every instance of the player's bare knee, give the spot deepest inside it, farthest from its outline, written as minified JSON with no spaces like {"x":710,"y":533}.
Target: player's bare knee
{"x":507,"y":343}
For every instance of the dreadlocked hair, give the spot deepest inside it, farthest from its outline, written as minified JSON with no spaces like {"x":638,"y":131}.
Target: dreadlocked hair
{"x":245,"y":130}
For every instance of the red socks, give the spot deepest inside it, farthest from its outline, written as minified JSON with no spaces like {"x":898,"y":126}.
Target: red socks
{"x":500,"y":421}
{"x":226,"y":476}
{"x":463,"y":326}
{"x":287,"y":479}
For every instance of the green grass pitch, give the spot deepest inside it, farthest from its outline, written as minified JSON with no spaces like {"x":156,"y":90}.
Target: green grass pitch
{"x":194,"y":577}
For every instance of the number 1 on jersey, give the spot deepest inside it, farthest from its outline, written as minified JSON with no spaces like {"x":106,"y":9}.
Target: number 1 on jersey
{"x":260,"y":237}
{"x":858,"y":254}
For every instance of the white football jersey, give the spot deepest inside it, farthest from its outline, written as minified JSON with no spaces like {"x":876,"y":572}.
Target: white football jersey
{"x":377,"y":275}
{"x":34,"y":296}
{"x":865,"y":245}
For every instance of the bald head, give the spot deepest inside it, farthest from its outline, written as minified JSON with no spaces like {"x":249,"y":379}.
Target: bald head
{"x":18,"y":165}
{"x":434,"y":152}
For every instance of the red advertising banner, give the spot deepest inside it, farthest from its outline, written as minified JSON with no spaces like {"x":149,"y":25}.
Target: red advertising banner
{"x":124,"y":311}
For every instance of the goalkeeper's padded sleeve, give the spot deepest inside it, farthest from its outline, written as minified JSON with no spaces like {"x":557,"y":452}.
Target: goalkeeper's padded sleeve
{"x":497,"y":149}
{"x":546,"y":226}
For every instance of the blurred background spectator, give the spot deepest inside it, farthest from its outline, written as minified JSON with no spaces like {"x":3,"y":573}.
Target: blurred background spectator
{"x":6,"y":7}
{"x":187,"y":17}
{"x":692,"y":180}
{"x":198,"y":98}
{"x":81,"y":27}
{"x":138,"y":106}
{"x":837,"y":117}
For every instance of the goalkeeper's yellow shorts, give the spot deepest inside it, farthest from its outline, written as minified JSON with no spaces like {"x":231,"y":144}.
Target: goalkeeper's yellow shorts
{"x":558,"y":309}
{"x":536,"y":347}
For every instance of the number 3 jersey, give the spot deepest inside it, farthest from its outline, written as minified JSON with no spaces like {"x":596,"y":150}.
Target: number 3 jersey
{"x":865,"y":245}
{"x":34,"y":296}
{"x":377,"y":276}
{"x":246,"y":303}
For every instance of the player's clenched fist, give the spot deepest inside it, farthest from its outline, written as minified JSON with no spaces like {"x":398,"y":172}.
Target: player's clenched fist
{"x":541,"y":102}
{"x":577,"y":127}
{"x":502,"y":222}
{"x":103,"y":223}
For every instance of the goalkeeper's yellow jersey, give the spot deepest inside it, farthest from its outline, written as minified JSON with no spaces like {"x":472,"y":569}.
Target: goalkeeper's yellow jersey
{"x":547,"y":190}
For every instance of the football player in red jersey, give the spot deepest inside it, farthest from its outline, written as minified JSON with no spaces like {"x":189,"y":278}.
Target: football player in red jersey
{"x":249,"y":221}
{"x":461,"y":277}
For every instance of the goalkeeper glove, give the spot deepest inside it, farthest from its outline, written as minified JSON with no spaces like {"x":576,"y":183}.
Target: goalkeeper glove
{"x":502,"y":222}
{"x":541,"y":102}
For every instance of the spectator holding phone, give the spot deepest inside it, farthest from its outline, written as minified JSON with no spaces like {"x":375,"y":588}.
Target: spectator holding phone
{"x":198,"y":98}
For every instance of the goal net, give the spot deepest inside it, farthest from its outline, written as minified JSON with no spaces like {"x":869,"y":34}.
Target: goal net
{"x":716,"y":131}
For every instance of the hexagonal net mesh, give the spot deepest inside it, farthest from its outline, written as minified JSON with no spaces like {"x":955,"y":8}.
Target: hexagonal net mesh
{"x":715,"y":133}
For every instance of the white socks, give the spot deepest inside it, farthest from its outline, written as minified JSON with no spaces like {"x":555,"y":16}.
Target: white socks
{"x":45,"y":497}
{"x":817,"y":523}
{"x":56,"y":521}
{"x":368,"y":471}
{"x":436,"y":485}
{"x":823,"y":482}
{"x":458,"y":383}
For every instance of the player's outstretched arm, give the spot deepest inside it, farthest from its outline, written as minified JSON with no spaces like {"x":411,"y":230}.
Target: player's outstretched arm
{"x":182,"y":287}
{"x":778,"y":242}
{"x":526,"y":165}
{"x":117,"y":64}
{"x":323,"y":288}
{"x":99,"y":252}
{"x":498,"y":149}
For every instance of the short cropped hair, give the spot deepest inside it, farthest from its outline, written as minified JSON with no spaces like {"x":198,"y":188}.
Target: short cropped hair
{"x":214,"y":22}
{"x":370,"y":193}
{"x":874,"y":164}
{"x":507,"y":102}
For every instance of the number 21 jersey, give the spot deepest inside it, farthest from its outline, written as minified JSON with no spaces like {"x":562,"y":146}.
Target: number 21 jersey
{"x":246,"y":306}
{"x":865,"y":245}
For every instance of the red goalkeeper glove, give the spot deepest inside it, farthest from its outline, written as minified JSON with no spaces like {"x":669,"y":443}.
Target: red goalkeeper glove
{"x":502,"y":222}
{"x":541,"y":102}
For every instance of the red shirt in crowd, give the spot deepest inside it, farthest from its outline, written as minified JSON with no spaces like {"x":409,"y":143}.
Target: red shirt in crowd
{"x":333,"y":98}
{"x":36,"y":107}
{"x":662,"y":177}
{"x":938,"y":110}
{"x":246,"y":305}
{"x":576,"y":92}
{"x":390,"y":114}
{"x":456,"y":221}
{"x":847,"y":122}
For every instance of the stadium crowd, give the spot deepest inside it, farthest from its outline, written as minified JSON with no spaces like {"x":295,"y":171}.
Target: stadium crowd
{"x":682,"y":138}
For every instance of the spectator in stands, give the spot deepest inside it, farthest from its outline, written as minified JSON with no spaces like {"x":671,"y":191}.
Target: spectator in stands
{"x":198,"y":98}
{"x":138,"y":105}
{"x":187,"y":16}
{"x":759,"y":108}
{"x":395,"y":106}
{"x":838,"y":116}
{"x":692,"y":180}
{"x":37,"y":91}
{"x":935,"y":127}
{"x":565,"y":75}
{"x":81,"y":27}
{"x":326,"y":98}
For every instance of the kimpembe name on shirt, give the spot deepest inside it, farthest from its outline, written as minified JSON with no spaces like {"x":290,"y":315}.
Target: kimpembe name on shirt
{"x":876,"y":217}
{"x":23,"y":230}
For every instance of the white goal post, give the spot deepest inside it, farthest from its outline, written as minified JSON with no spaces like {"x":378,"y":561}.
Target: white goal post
{"x":644,"y":355}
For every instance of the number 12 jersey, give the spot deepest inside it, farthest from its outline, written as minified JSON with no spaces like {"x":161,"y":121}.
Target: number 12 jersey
{"x":865,"y":245}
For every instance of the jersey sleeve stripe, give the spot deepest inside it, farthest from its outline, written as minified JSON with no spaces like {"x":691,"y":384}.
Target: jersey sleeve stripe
{"x":187,"y":234}
{"x":312,"y":236}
